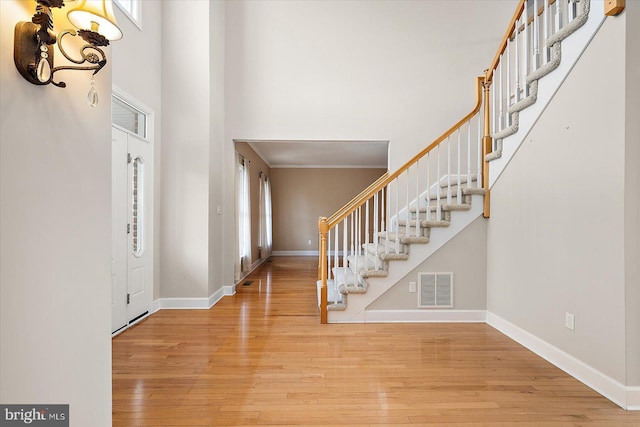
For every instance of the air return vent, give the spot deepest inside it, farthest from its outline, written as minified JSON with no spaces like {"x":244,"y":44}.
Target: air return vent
{"x":436,"y":290}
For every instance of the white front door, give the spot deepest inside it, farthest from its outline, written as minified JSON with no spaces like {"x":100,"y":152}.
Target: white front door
{"x":140,"y":216}
{"x":132,"y":222}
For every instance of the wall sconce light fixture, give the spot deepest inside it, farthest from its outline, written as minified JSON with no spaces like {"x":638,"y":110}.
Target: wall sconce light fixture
{"x":33,"y":41}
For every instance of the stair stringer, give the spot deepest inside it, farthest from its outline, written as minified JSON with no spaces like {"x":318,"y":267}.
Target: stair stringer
{"x":572,"y":49}
{"x":355,"y":311}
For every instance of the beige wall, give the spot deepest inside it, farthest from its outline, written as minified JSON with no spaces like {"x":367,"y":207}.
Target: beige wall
{"x":556,"y":237}
{"x":464,"y":256}
{"x":55,"y":235}
{"x":256,"y":166}
{"x":300,"y":196}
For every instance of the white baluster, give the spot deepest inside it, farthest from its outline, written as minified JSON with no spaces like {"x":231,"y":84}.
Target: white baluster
{"x":494,"y":106}
{"x":336,"y":256}
{"x":526,"y":53}
{"x":438,"y":213}
{"x":345,"y":244}
{"x":536,"y":37}
{"x":469,"y":153}
{"x":383,"y":211}
{"x":516,"y":39}
{"x":366,"y":232}
{"x":388,"y":198}
{"x":353,"y":234}
{"x":508,"y":99}
{"x":361,"y":250}
{"x":572,"y":10}
{"x":449,"y":169}
{"x":545,"y":33}
{"x":559,"y":20}
{"x":397,"y":215}
{"x":375,"y":220}
{"x":458,"y":169}
{"x":428,"y":216}
{"x":406,"y":231}
{"x":417,"y":201}
{"x":480,"y":159}
{"x":329,"y":271}
{"x":501,"y":122}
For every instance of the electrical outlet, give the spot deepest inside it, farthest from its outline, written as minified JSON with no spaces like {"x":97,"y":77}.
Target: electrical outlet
{"x":309,"y":241}
{"x":412,"y":286}
{"x":570,"y":321}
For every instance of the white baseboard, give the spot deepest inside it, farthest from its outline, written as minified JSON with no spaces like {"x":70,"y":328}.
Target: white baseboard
{"x":193,"y":303}
{"x":425,"y":316}
{"x":633,"y":399}
{"x":623,"y":396}
{"x":294,"y":253}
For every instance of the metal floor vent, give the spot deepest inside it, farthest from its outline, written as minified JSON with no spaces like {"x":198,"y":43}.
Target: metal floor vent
{"x":436,"y":290}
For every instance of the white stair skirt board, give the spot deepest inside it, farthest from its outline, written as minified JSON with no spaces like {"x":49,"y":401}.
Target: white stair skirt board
{"x":425,"y":316}
{"x":357,"y":304}
{"x":572,"y":49}
{"x":193,"y":303}
{"x":623,"y":396}
{"x":294,"y":253}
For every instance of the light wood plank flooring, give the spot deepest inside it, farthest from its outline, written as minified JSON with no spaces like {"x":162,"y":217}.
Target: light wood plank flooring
{"x":261,"y":358}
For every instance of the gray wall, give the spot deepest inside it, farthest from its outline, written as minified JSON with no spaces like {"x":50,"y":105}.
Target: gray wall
{"x":55,"y":236}
{"x":142,"y":47}
{"x":186,"y":108}
{"x":396,"y":70}
{"x":555,"y":240}
{"x":221,"y":160}
{"x":465,"y":256}
{"x":632,"y":192}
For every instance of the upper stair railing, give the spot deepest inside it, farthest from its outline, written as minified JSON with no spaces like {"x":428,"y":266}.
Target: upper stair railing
{"x":529,"y":50}
{"x":356,"y":241}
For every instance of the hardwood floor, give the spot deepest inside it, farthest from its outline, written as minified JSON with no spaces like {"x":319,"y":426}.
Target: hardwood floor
{"x":262,"y":358}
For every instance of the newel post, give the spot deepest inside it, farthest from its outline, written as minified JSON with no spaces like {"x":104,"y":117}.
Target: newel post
{"x":487,"y":145}
{"x":323,"y":228}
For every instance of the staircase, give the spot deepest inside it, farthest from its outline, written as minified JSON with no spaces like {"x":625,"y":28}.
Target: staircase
{"x":408,"y":215}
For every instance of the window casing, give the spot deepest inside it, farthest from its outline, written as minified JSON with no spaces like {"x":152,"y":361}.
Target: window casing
{"x":132,"y":9}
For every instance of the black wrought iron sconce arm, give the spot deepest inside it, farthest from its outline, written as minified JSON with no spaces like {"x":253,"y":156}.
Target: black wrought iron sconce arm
{"x":34,"y":41}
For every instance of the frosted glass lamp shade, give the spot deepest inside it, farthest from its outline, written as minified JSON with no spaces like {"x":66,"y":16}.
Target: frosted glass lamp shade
{"x":97,"y":16}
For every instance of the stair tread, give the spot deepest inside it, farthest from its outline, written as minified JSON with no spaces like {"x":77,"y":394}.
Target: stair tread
{"x":404,"y":239}
{"x":425,"y":223}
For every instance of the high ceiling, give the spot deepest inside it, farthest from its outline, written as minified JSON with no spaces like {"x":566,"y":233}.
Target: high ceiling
{"x":331,"y":154}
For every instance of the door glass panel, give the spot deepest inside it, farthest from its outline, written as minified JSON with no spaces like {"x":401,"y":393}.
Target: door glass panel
{"x":137,"y":206}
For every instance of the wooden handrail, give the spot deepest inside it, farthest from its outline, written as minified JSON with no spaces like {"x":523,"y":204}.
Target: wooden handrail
{"x":385,"y":179}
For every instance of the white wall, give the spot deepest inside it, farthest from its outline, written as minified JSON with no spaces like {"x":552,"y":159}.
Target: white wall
{"x":55,"y":244}
{"x":632,"y":192}
{"x":184,"y":251}
{"x":556,"y":237}
{"x":137,"y":69}
{"x":402,"y":71}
